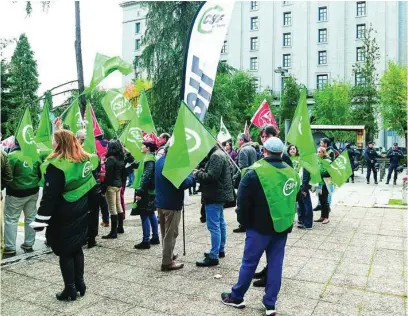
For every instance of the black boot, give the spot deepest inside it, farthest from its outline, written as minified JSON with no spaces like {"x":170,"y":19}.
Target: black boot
{"x":91,"y":242}
{"x":395,"y":182}
{"x":114,"y":228}
{"x":240,"y":229}
{"x":69,"y":293}
{"x":260,"y":283}
{"x":261,"y":274}
{"x":79,"y":273}
{"x":317,"y":208}
{"x":143,"y":245}
{"x":120,"y":223}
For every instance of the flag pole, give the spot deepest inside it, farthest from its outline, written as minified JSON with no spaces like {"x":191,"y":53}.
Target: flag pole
{"x":184,"y":235}
{"x":228,"y":156}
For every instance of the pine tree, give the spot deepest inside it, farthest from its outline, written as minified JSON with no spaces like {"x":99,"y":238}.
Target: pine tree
{"x":22,"y":84}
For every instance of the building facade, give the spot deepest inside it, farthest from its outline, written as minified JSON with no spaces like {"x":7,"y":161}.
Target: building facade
{"x":315,"y":41}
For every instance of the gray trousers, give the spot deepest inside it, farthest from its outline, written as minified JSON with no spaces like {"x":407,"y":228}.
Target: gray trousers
{"x":12,"y":211}
{"x":169,"y":224}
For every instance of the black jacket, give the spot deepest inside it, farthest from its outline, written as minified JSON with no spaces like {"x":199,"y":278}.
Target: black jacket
{"x":371,"y":155}
{"x":216,"y":180}
{"x":252,"y":206}
{"x":146,"y":206}
{"x":114,"y":169}
{"x":129,"y":165}
{"x":67,"y":221}
{"x":395,"y":156}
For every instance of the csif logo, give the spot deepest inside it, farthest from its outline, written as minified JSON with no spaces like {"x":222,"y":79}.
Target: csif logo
{"x":339,"y":163}
{"x":135,"y":135}
{"x":212,"y":17}
{"x":119,"y":105}
{"x":87,"y":169}
{"x":289,"y":187}
{"x":28,"y":135}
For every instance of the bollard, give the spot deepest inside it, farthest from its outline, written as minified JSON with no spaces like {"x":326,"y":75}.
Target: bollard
{"x":404,"y":189}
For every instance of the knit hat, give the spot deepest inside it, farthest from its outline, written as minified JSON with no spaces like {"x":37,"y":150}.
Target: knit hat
{"x":273,"y":145}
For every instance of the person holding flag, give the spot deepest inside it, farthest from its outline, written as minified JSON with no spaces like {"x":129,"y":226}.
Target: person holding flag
{"x":64,"y":208}
{"x":352,"y":155}
{"x":267,"y":209}
{"x":324,"y":161}
{"x":144,"y":203}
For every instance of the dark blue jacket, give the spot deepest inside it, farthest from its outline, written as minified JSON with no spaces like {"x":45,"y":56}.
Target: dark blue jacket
{"x":371,"y":154}
{"x":395,"y":156}
{"x":167,"y":195}
{"x":252,"y":206}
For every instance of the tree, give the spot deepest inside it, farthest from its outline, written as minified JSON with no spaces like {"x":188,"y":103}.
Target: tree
{"x":364,"y":93}
{"x":332,"y":107}
{"x":167,"y":27}
{"x":289,"y":101}
{"x":393,"y":97}
{"x":6,"y":105}
{"x":20,"y":78}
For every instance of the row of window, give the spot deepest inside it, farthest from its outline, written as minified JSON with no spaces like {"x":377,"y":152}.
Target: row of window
{"x":322,"y":11}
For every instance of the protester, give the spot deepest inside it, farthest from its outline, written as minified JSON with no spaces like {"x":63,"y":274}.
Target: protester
{"x":101,"y":150}
{"x":267,"y":212}
{"x":162,"y":140}
{"x":64,"y":208}
{"x":216,"y":184}
{"x":113,"y":181}
{"x":145,"y":196}
{"x":293,"y":154}
{"x":230,"y":150}
{"x":129,"y":165}
{"x":394,"y":155}
{"x":169,"y":202}
{"x":6,"y":178}
{"x":371,"y":157}
{"x":352,"y":155}
{"x":304,"y":207}
{"x":267,"y":132}
{"x":246,"y":156}
{"x":331,"y":152}
{"x":324,"y":194}
{"x":21,"y":195}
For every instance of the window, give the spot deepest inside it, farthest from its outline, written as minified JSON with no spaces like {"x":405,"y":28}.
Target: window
{"x":137,"y":44}
{"x":136,"y":61}
{"x":137,"y":28}
{"x":322,"y":35}
{"x":254,"y":23}
{"x":254,"y":5}
{"x":256,"y":84}
{"x":285,"y":2}
{"x":361,"y":28}
{"x":286,"y":61}
{"x":361,"y":8}
{"x":287,"y":18}
{"x":322,"y":13}
{"x":287,"y":39}
{"x":253,"y":63}
{"x":360,"y":54}
{"x":224,"y":48}
{"x":322,"y":81}
{"x":254,"y":43}
{"x":360,"y":80}
{"x":323,"y":57}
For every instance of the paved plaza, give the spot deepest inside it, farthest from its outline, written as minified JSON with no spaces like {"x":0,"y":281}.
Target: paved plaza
{"x":355,"y":265}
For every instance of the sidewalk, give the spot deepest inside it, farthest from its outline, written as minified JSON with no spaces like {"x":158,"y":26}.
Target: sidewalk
{"x":355,"y":265}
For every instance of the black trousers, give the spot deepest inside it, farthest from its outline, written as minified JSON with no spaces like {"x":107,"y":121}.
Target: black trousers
{"x":72,"y":267}
{"x":390,"y":170}
{"x":202,"y":212}
{"x":324,"y":202}
{"x":93,"y":216}
{"x":371,"y":166}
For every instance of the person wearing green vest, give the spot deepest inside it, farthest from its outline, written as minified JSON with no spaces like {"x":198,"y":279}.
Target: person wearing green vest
{"x":21,"y":195}
{"x":267,"y":207}
{"x":64,"y":208}
{"x":144,"y":203}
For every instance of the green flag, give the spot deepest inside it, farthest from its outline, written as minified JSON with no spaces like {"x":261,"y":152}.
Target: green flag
{"x":89,"y":142}
{"x":43,"y":135}
{"x":104,"y":66}
{"x":74,"y":118}
{"x":117,"y":108}
{"x":145,"y":117}
{"x":223,"y":135}
{"x":300,"y":134}
{"x":340,"y":169}
{"x":189,"y":144}
{"x":132,"y":138}
{"x":26,"y":140}
{"x":214,"y":131}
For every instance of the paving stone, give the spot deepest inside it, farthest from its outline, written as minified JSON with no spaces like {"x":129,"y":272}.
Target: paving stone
{"x":387,"y":285}
{"x":103,"y":307}
{"x":325,"y":308}
{"x":349,"y":280}
{"x":387,"y":304}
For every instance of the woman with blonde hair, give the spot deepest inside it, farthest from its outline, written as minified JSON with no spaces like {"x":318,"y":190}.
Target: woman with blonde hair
{"x":64,"y":208}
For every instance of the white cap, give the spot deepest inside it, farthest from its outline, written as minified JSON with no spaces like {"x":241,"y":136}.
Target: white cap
{"x":274,"y":145}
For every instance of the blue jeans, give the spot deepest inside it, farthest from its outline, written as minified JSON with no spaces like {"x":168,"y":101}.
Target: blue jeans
{"x":146,"y":222}
{"x":217,"y":227}
{"x":131,"y":177}
{"x":305,"y":211}
{"x":255,"y":245}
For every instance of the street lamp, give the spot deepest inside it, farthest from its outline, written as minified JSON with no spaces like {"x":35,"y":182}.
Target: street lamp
{"x":282,"y":72}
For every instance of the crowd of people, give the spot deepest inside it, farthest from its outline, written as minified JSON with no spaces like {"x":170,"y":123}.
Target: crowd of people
{"x":77,"y":186}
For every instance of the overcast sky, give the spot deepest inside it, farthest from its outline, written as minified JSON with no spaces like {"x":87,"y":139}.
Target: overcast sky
{"x":51,"y":35}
